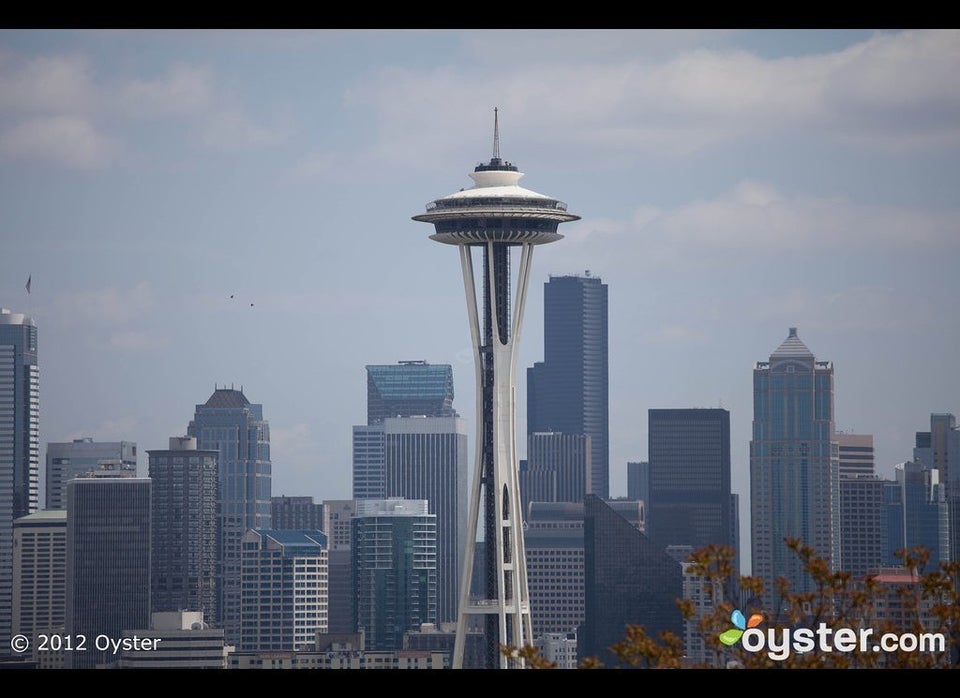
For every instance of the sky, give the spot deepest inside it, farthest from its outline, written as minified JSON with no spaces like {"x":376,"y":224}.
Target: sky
{"x":207,"y":208}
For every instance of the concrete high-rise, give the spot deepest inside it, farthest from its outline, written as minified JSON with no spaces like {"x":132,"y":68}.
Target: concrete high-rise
{"x":794,"y":466}
{"x":495,"y":217}
{"x":856,"y":454}
{"x":554,"y":544}
{"x":296,"y":513}
{"x":689,"y":492}
{"x":67,"y":460}
{"x":19,"y":446}
{"x":568,"y":391}
{"x":40,"y":580}
{"x":865,"y":502}
{"x":230,"y":424}
{"x":395,"y":567}
{"x":284,"y":595}
{"x":186,"y":528}
{"x":108,"y":562}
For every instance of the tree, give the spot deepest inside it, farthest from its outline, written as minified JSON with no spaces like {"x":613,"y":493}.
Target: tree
{"x":840,"y":624}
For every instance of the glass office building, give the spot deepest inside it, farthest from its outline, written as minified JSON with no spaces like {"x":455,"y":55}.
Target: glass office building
{"x":794,"y":466}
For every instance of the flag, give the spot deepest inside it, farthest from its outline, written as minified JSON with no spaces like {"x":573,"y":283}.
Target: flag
{"x":29,"y":279}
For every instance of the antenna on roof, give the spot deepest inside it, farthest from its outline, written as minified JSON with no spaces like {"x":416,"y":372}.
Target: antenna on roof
{"x":496,"y":135}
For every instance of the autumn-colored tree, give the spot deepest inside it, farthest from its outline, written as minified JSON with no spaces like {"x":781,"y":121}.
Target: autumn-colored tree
{"x":922,"y":603}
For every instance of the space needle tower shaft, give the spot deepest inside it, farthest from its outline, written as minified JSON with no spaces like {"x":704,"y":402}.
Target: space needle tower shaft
{"x":501,"y":221}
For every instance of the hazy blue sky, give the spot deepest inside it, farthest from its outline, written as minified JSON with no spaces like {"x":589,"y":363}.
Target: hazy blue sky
{"x":732,"y":184}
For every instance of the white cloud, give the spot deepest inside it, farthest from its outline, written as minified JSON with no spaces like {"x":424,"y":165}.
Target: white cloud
{"x":183,"y":90}
{"x":46,"y":84}
{"x":66,"y":140}
{"x":753,"y":221}
{"x":107,"y":306}
{"x":891,"y":90}
{"x":231,"y":128}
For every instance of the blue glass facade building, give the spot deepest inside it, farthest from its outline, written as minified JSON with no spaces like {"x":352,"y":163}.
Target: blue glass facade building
{"x":794,"y":466}
{"x":409,"y":389}
{"x":234,"y":427}
{"x":568,"y":391}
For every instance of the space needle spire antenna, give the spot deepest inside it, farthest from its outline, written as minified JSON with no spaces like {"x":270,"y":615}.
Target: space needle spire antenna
{"x":501,"y":221}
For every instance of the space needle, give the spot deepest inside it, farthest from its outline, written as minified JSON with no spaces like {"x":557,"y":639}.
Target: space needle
{"x":496,"y":217}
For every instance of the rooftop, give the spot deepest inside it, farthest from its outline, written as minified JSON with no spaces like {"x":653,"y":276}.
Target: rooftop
{"x":227,"y":397}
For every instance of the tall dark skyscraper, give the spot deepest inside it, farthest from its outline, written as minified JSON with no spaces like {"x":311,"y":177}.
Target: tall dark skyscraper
{"x":628,"y":580}
{"x":794,"y":465}
{"x":556,"y":470}
{"x":234,"y":427}
{"x":568,"y":391}
{"x":689,"y":495}
{"x":19,"y":446}
{"x":108,"y":562}
{"x":186,"y":528}
{"x":502,"y":221}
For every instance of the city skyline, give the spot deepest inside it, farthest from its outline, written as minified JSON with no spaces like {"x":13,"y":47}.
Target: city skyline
{"x":201,"y":209}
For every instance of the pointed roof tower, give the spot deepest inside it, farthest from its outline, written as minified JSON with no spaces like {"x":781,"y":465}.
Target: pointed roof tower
{"x":792,"y":348}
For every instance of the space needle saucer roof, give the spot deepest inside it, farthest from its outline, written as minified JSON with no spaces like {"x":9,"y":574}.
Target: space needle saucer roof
{"x":496,"y":208}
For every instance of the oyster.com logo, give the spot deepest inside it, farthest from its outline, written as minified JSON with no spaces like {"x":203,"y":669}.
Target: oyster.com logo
{"x":733,"y":635}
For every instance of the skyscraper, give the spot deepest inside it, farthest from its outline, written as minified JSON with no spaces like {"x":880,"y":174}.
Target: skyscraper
{"x":284,"y":595}
{"x":794,"y":465}
{"x":233,"y":426}
{"x":568,"y":391}
{"x":426,"y":458}
{"x":940,"y":448}
{"x":108,"y":562}
{"x":19,"y":446}
{"x":628,"y":580}
{"x":337,"y":524}
{"x":557,"y":468}
{"x":403,"y":389}
{"x":71,"y":459}
{"x":689,"y":495}
{"x":395,"y":564}
{"x":638,"y":481}
{"x":856,"y":454}
{"x":496,"y":217}
{"x":295,"y":513}
{"x":40,"y":579}
{"x":186,"y":528}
